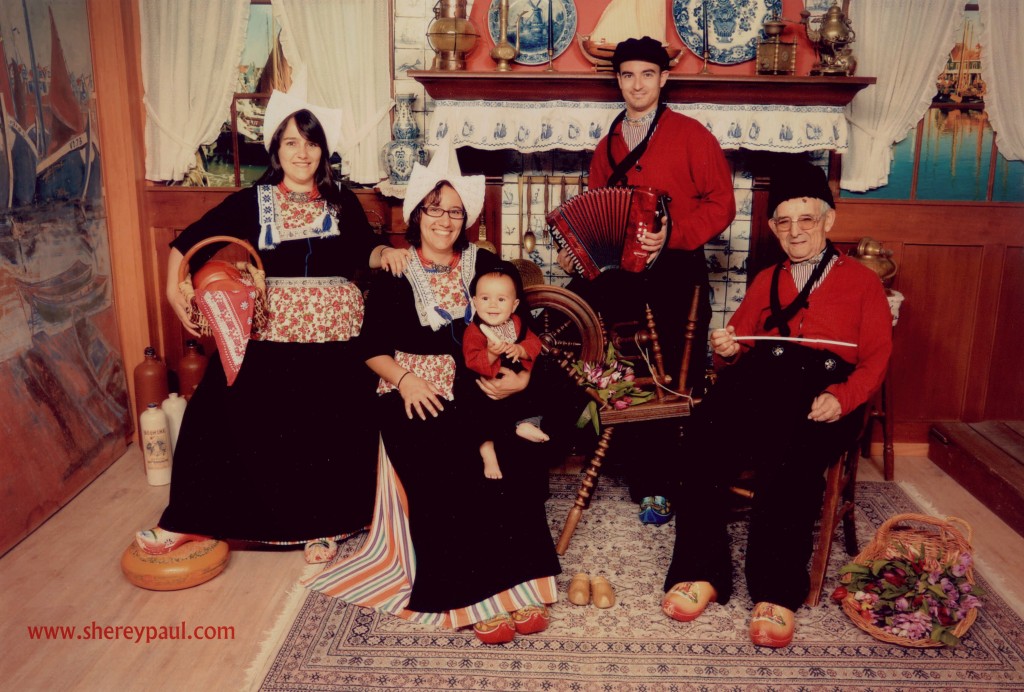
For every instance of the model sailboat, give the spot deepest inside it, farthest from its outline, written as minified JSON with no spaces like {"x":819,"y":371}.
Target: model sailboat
{"x":624,"y":19}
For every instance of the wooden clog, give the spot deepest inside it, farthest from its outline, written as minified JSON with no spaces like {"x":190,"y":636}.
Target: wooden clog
{"x":687,"y":600}
{"x":772,"y":625}
{"x":579,"y":590}
{"x":498,"y":630}
{"x":531,"y":619}
{"x":602,"y":595}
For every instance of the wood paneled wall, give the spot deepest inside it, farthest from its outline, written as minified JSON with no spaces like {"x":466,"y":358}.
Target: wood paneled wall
{"x":961,"y":268}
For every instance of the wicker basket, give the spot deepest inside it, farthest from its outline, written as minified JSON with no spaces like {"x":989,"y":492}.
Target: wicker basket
{"x":253,"y":273}
{"x":940,"y":540}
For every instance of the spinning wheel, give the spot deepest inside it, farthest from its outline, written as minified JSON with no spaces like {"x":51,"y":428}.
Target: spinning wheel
{"x":569,"y":329}
{"x":567,"y":326}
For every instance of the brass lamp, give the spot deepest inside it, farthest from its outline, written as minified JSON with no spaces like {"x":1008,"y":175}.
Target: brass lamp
{"x":451,"y":35}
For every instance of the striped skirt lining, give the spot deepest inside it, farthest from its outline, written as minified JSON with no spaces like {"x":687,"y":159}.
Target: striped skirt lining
{"x":381,"y":573}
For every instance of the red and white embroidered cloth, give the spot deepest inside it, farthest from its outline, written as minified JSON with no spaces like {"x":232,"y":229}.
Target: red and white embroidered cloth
{"x":230,"y":316}
{"x":311,"y":310}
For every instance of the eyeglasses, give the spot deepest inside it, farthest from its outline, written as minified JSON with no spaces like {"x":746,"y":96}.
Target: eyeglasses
{"x":804,"y":223}
{"x":455,"y":213}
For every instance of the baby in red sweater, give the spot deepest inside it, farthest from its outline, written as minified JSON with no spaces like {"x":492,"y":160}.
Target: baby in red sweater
{"x":498,"y":338}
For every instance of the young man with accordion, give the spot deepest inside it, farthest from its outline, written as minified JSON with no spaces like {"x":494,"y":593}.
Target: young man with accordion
{"x":651,"y":146}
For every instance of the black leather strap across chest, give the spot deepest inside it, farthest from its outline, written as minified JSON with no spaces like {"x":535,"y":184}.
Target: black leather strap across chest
{"x":620,"y":169}
{"x":780,"y":317}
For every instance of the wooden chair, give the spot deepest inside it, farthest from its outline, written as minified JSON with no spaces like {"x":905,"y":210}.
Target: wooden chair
{"x":838,"y":506}
{"x":568,"y":324}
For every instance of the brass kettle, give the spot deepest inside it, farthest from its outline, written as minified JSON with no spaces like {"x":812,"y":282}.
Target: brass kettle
{"x":872,"y":255}
{"x":831,"y":38}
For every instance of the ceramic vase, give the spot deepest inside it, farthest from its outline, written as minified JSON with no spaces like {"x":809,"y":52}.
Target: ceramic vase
{"x":407,"y":147}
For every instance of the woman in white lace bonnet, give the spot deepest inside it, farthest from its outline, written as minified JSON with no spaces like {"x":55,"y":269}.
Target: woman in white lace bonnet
{"x":483,"y":550}
{"x":277,"y":448}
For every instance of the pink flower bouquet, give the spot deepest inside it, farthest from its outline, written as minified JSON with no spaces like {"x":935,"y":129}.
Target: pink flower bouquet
{"x":613,"y":381}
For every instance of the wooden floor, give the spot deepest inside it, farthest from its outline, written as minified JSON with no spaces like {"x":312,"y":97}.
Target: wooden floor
{"x":67,"y":573}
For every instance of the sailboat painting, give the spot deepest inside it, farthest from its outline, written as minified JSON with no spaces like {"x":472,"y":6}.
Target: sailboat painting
{"x":48,"y":115}
{"x":62,"y":382}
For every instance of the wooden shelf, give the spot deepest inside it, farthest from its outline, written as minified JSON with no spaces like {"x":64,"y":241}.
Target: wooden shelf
{"x":602,"y":87}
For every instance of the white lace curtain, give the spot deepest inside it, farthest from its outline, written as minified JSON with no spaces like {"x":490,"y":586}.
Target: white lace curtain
{"x":1002,"y":68}
{"x":904,"y":44}
{"x":344,"y":46}
{"x":190,"y":53}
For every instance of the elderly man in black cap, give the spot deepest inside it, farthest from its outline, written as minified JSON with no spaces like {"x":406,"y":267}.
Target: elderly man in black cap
{"x":806,"y":349}
{"x":650,"y":145}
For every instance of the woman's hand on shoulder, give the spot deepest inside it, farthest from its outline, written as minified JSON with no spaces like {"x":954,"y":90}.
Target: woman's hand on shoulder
{"x":394,"y":260}
{"x":506,"y":384}
{"x":420,"y":396}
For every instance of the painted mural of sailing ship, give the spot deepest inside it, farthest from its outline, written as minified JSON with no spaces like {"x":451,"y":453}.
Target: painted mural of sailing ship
{"x":960,"y":83}
{"x":49,"y":140}
{"x":20,"y":155}
{"x":77,"y":290}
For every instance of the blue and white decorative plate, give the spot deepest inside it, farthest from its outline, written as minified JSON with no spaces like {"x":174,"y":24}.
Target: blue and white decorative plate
{"x":533,"y":41}
{"x":734,"y":27}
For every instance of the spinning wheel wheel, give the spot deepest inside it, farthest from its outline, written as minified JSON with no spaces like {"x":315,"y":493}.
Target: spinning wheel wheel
{"x":566,"y":325}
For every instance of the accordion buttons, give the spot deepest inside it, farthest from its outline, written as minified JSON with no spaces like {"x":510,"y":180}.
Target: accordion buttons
{"x":639,"y":167}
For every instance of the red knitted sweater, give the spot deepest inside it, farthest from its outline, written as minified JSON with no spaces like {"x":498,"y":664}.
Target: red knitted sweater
{"x":849,"y":305}
{"x":686,"y":161}
{"x":474,"y":349}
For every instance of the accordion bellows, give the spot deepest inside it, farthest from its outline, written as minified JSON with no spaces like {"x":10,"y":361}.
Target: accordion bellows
{"x":602,"y":227}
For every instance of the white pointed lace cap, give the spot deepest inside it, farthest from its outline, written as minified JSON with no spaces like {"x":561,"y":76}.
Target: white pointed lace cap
{"x":283,"y":104}
{"x":444,"y":165}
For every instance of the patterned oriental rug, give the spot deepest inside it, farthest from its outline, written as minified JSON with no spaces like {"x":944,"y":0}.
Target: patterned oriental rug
{"x":328,"y":646}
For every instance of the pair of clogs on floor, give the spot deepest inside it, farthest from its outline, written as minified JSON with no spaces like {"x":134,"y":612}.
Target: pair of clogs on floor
{"x":770,"y":625}
{"x":504,"y":628}
{"x":584,"y":590}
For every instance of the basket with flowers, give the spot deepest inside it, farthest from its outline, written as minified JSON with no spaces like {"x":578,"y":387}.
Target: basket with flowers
{"x":611,"y":383}
{"x":911,"y":586}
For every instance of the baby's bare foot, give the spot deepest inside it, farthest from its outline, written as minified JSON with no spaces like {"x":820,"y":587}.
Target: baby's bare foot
{"x":491,"y":468}
{"x":529,"y":431}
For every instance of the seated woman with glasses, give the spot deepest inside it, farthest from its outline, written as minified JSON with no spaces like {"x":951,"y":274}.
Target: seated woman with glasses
{"x":806,"y":349}
{"x":447,"y":546}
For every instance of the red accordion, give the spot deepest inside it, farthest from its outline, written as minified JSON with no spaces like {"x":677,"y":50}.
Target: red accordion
{"x":602,"y":227}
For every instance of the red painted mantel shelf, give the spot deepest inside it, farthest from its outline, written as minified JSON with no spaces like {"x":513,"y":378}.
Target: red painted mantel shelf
{"x":601,"y":87}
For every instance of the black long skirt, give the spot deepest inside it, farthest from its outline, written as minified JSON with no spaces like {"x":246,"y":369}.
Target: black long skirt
{"x":474,"y":537}
{"x":287,"y":453}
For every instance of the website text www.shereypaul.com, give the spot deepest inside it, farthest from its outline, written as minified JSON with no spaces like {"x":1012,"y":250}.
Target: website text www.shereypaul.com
{"x":137,"y":634}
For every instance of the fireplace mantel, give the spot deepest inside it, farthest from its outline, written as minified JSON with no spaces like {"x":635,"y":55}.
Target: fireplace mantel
{"x":546,"y":111}
{"x":601,"y":87}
